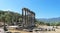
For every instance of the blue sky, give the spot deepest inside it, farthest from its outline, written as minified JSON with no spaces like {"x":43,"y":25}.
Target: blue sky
{"x":42,"y":8}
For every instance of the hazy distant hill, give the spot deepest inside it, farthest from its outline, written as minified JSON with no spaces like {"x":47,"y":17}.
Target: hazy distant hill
{"x":50,"y":20}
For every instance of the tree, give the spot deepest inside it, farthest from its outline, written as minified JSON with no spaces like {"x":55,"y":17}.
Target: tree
{"x":58,"y":24}
{"x":48,"y":24}
{"x":9,"y":17}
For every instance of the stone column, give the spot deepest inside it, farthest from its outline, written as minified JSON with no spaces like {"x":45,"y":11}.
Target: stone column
{"x":22,"y":18}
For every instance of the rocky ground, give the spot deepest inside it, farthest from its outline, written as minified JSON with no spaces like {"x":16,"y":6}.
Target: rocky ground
{"x":56,"y":31}
{"x":20,"y":31}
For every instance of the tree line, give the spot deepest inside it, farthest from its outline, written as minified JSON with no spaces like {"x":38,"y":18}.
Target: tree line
{"x":9,"y":17}
{"x":47,"y":23}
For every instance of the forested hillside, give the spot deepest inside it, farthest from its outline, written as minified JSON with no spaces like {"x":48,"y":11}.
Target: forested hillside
{"x":50,"y":21}
{"x":9,"y":17}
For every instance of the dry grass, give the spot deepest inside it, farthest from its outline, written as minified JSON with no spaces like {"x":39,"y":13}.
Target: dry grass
{"x":19,"y":31}
{"x":56,"y":31}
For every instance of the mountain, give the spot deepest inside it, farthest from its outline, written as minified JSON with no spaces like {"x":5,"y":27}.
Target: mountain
{"x":50,"y":19}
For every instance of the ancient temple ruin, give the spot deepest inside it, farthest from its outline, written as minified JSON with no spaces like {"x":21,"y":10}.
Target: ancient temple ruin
{"x":28,"y":18}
